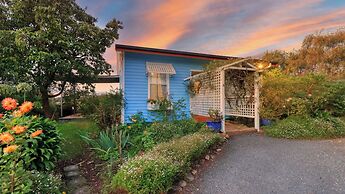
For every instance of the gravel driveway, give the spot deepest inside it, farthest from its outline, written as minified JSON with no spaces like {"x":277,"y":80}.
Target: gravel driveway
{"x":258,"y":164}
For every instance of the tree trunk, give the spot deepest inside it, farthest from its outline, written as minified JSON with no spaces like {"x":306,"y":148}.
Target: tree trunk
{"x":45,"y":103}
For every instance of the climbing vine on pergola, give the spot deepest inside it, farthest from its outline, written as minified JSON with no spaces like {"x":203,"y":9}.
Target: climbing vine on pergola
{"x":232,"y":87}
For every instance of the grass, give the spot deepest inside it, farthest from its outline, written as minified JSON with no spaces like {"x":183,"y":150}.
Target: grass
{"x":305,"y":127}
{"x":73,"y":145}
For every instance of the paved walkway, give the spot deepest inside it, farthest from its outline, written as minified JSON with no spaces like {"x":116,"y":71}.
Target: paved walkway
{"x":258,"y":164}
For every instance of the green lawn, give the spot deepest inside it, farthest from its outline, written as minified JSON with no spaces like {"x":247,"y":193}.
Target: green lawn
{"x":72,"y":144}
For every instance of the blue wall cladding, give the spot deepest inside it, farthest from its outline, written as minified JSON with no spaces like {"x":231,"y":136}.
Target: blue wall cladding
{"x":136,"y":86}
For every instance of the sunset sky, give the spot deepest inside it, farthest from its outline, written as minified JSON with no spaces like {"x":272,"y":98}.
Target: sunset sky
{"x":227,"y":27}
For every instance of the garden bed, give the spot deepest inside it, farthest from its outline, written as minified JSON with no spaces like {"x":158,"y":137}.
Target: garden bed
{"x":90,"y":167}
{"x":159,"y":169}
{"x":306,"y":127}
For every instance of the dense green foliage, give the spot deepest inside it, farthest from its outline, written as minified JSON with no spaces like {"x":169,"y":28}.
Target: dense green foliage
{"x":26,"y":143}
{"x":44,"y":182}
{"x":51,"y":43}
{"x":308,"y":104}
{"x":105,"y":110}
{"x":283,"y":95}
{"x":110,"y":144}
{"x":45,"y":150}
{"x":306,"y":127}
{"x":157,"y":170}
{"x":160,"y":132}
{"x":72,"y":143}
{"x":14,"y":178}
{"x":38,"y":153}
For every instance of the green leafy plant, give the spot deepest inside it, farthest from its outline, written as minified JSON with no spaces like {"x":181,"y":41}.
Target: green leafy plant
{"x":283,"y":95}
{"x":110,"y":143}
{"x":44,"y":182}
{"x":14,"y":178}
{"x":19,"y":91}
{"x":306,"y":127}
{"x":157,"y":170}
{"x":160,"y":132}
{"x":136,"y":131}
{"x":105,"y":110}
{"x":26,"y":143}
{"x":215,"y":115}
{"x":169,"y":110}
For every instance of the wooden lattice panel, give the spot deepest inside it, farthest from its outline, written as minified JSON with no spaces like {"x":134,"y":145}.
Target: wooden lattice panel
{"x":242,"y":108}
{"x":208,"y":96}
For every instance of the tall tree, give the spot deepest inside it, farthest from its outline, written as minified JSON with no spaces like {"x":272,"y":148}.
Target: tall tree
{"x":276,"y":57}
{"x":320,"y":52}
{"x":51,"y":43}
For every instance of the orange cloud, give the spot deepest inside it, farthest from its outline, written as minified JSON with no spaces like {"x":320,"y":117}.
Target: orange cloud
{"x":169,"y":21}
{"x":277,"y":33}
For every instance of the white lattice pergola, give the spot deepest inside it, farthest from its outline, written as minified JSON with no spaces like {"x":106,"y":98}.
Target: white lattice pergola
{"x":215,"y":98}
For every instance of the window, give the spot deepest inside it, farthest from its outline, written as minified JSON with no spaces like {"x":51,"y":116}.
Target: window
{"x":158,"y":82}
{"x":158,"y":86}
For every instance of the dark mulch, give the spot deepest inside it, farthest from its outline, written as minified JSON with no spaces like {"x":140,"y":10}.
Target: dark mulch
{"x":90,"y":167}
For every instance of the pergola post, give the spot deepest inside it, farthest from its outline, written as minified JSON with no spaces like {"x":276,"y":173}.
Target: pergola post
{"x":222,"y":97}
{"x":256,"y":101}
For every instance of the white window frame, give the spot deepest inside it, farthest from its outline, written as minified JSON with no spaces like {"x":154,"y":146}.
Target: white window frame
{"x":149,"y":78}
{"x":167,"y":77}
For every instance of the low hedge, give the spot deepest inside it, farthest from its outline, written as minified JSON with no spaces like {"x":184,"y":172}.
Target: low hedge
{"x":160,"y":132}
{"x":157,"y":170}
{"x":306,"y":127}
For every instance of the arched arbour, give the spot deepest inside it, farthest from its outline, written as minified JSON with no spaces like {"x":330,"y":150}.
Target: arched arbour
{"x":220,"y":95}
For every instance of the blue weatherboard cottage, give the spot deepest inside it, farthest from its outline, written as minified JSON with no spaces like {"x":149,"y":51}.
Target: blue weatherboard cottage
{"x":148,"y":74}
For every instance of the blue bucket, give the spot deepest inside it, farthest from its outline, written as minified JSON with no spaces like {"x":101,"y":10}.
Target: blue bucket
{"x":216,"y":126}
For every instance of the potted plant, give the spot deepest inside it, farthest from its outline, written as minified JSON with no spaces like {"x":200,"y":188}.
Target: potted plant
{"x":216,"y":120}
{"x":193,"y":87}
{"x":152,"y":104}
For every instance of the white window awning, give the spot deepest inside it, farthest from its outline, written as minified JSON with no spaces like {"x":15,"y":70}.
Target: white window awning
{"x":163,"y":68}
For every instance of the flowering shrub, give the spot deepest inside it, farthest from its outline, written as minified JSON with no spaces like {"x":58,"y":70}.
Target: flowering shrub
{"x":284,"y":95}
{"x":306,"y":127}
{"x":26,"y":143}
{"x":157,"y":170}
{"x":46,"y":183}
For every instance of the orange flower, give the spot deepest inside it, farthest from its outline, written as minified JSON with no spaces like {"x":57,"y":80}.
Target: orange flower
{"x":6,"y":137}
{"x":26,"y":107}
{"x":9,"y":103}
{"x":10,"y":149}
{"x":36,"y":133}
{"x":17,"y":113}
{"x":19,"y":129}
{"x":1,"y":115}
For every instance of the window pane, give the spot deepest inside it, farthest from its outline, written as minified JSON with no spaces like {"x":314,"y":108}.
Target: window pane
{"x":158,"y":79}
{"x":162,"y":92}
{"x":158,"y":86}
{"x":153,"y":92}
{"x":162,"y":79}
